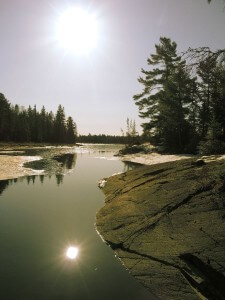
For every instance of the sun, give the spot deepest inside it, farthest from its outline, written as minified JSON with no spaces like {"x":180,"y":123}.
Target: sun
{"x":77,"y":30}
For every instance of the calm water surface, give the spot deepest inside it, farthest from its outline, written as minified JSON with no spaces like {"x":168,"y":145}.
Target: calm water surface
{"x":40,"y":217}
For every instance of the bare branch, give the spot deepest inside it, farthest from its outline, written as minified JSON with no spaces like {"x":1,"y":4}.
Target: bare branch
{"x":196,"y":55}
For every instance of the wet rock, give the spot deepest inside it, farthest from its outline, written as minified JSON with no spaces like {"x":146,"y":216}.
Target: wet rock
{"x":166,"y":223}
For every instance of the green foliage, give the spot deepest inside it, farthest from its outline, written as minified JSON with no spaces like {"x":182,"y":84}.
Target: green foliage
{"x":165,"y":97}
{"x":71,"y":130}
{"x":211,"y":146}
{"x":28,"y":125}
{"x":4,"y":118}
{"x":181,"y":108}
{"x":60,"y":125}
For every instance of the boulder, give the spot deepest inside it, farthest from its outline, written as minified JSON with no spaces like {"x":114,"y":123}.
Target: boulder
{"x":166,"y":223}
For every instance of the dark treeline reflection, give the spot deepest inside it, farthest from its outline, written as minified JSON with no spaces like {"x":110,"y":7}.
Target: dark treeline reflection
{"x":3,"y":185}
{"x":67,"y":162}
{"x":128,"y":165}
{"x":42,"y":178}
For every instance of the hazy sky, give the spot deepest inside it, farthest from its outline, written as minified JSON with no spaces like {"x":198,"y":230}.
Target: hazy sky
{"x":96,"y":90}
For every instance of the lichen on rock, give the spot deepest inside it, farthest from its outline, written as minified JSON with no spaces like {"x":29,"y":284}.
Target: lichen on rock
{"x":166,"y":224}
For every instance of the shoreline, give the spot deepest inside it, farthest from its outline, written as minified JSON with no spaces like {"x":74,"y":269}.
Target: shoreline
{"x":154,"y":158}
{"x":160,"y":219}
{"x":12,"y":167}
{"x":157,"y":159}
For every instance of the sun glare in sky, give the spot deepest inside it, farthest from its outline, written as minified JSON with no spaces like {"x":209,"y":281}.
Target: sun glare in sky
{"x":77,"y":30}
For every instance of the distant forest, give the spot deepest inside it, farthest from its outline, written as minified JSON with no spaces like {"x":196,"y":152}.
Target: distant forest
{"x":129,"y":136}
{"x":106,"y":139}
{"x":183,"y":99}
{"x":18,"y":124}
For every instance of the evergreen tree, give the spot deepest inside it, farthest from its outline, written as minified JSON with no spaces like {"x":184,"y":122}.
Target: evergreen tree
{"x":205,"y":72}
{"x":212,"y":103}
{"x":60,"y":125}
{"x":50,"y":127}
{"x":28,"y":125}
{"x":71,"y":131}
{"x":4,"y":118}
{"x":165,"y":98}
{"x":42,"y":125}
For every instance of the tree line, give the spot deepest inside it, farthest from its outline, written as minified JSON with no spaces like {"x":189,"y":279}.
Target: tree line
{"x":103,"y":139}
{"x":183,"y":101}
{"x":129,"y":136}
{"x":18,"y":124}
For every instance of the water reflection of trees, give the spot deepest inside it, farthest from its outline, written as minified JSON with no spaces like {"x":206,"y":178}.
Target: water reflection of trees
{"x":67,"y":162}
{"x":128,"y":165}
{"x":41,"y":177}
{"x":3,"y":185}
{"x":59,"y":178}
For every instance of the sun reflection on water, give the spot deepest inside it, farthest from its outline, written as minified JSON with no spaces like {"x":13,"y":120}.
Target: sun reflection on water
{"x":72,"y":252}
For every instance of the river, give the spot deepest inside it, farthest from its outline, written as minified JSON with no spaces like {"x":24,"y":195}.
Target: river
{"x":42,"y":216}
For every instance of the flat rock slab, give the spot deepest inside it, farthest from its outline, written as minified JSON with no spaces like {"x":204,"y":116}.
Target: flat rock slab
{"x":166,"y":223}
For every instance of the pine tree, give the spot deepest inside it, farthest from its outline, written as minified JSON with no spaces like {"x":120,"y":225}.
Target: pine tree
{"x":29,"y":125}
{"x":205,"y":73}
{"x":4,"y":118}
{"x":60,"y":125}
{"x":50,"y":127}
{"x":71,"y":131}
{"x":165,"y":97}
{"x":212,"y":103}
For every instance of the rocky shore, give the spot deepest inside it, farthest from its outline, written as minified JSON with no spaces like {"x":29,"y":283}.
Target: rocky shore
{"x":166,"y":224}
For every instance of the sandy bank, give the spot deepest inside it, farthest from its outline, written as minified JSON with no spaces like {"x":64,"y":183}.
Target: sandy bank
{"x":12,"y":166}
